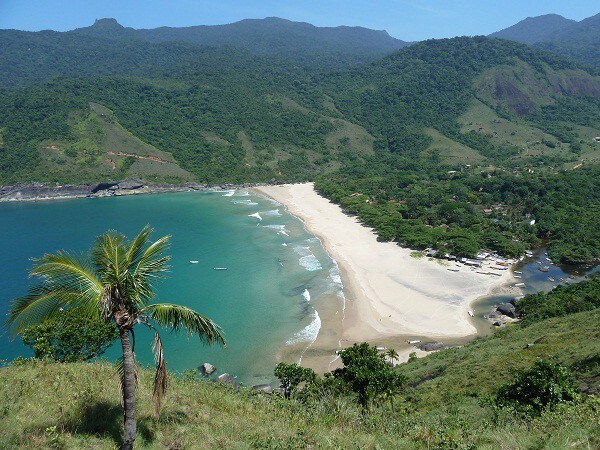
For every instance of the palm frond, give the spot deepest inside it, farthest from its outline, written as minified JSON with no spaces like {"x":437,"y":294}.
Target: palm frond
{"x":67,"y":281}
{"x":108,"y":256}
{"x":180,"y":318}
{"x":149,"y":266}
{"x":137,"y":247}
{"x":67,"y":271}
{"x":160,"y":378}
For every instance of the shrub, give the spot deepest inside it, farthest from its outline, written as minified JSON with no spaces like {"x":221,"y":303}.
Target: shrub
{"x":367,"y":374}
{"x":70,"y":337}
{"x":291,"y":375}
{"x":541,"y":387}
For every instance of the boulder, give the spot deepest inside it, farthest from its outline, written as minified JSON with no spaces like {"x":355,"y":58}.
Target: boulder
{"x":432,"y":346}
{"x":207,"y":369}
{"x":130,"y":185}
{"x":226,"y":378}
{"x":264,"y":388}
{"x":507,"y":309}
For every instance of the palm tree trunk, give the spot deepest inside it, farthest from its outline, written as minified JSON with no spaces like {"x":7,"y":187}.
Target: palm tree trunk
{"x":128,"y":383}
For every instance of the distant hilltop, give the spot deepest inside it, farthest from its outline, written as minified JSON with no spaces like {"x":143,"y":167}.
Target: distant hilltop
{"x":271,"y":35}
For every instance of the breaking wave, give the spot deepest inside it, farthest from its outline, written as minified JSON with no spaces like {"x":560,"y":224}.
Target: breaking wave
{"x":309,"y":332}
{"x":307,"y":259}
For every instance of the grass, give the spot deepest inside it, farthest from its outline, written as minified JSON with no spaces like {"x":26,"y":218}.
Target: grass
{"x":46,"y":405}
{"x":481,"y":118}
{"x":88,"y":158}
{"x":451,"y":152}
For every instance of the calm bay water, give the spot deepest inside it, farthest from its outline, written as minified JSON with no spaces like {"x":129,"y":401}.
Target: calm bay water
{"x":266,"y":301}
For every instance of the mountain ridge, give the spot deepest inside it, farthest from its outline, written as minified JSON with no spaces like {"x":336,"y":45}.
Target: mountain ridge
{"x":270,"y":35}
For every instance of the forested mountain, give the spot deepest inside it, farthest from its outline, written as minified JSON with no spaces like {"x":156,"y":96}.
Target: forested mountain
{"x":580,"y":42}
{"x":90,"y":107}
{"x":554,"y":33}
{"x":267,"y":36}
{"x":535,"y":29}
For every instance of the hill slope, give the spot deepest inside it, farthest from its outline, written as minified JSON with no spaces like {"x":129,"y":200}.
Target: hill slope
{"x":272,"y":36}
{"x":535,"y":29}
{"x":77,"y":405}
{"x":554,"y":33}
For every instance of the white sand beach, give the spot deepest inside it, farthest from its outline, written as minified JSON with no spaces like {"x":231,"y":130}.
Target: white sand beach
{"x":389,"y":293}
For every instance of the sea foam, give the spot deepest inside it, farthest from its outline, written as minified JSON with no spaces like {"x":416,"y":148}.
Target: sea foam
{"x":244,"y":202}
{"x":229,"y":193}
{"x":309,"y":332}
{"x":307,"y":259}
{"x":280,"y":229}
{"x":273,"y":213}
{"x":306,"y":295}
{"x":257,"y":215}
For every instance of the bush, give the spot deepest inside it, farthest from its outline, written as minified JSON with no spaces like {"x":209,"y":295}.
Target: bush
{"x":291,"y":375}
{"x":367,"y":374}
{"x":543,"y":386}
{"x":70,"y":337}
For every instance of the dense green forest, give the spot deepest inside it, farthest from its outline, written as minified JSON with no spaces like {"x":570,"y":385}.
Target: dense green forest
{"x":456,"y":144}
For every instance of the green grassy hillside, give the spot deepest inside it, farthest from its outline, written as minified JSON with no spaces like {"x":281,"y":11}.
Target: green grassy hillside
{"x":45,"y":405}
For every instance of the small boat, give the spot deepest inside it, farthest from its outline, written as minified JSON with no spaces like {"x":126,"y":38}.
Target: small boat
{"x":219,"y":268}
{"x":520,"y":285}
{"x":416,"y":341}
{"x":471,"y":314}
{"x":194,"y":261}
{"x":551,"y":279}
{"x":544,"y":268}
{"x":518,"y":272}
{"x":518,"y":276}
{"x":563,"y":280}
{"x":538,"y":262}
{"x":452,"y":269}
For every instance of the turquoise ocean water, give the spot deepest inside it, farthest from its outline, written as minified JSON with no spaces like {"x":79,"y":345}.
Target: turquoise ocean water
{"x":266,"y":302}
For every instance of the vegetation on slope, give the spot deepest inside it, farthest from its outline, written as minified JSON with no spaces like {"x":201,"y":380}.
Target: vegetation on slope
{"x":381,"y":130}
{"x":447,"y":403}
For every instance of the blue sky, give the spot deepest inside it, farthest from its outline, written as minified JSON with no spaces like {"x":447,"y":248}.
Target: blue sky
{"x":404,"y":19}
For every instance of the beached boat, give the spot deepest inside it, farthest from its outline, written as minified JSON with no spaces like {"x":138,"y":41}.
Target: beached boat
{"x":518,"y":272}
{"x":453,"y":269}
{"x":416,"y":341}
{"x":471,"y":314}
{"x":520,"y":285}
{"x":518,"y":276}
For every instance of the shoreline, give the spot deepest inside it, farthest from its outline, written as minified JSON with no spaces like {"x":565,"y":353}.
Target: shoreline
{"x":391,"y":297}
{"x":41,"y":192}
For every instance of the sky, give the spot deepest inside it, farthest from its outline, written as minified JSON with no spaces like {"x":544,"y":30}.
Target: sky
{"x":409,"y":20}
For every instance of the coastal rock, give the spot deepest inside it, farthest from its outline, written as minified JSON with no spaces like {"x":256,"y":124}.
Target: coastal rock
{"x":432,"y":346}
{"x":207,"y":369}
{"x":493,"y":315}
{"x":226,"y":378}
{"x":264,"y":388}
{"x":507,"y":309}
{"x":129,"y":185}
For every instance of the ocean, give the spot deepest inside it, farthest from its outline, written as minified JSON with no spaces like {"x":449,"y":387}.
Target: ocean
{"x":268,"y":300}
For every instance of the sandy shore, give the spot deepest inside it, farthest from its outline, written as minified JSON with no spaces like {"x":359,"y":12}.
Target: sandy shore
{"x":389,"y":293}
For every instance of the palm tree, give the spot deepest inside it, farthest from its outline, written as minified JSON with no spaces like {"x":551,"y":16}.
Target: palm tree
{"x":115,"y":282}
{"x":392,"y":355}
